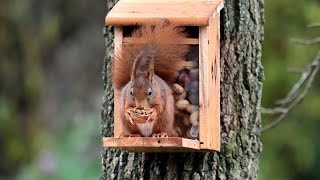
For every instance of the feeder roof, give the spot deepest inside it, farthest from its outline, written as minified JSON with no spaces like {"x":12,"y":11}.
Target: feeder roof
{"x":181,"y":12}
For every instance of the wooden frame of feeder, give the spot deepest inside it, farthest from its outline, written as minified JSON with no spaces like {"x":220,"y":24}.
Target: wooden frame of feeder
{"x":205,"y":15}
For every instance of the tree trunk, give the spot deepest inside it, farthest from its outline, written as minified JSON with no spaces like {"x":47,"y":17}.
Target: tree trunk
{"x":241,"y":87}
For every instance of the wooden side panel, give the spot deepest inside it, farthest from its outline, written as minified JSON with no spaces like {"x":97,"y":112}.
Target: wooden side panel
{"x":203,"y":88}
{"x":118,"y":39}
{"x":210,"y":85}
{"x":151,"y":144}
{"x":181,"y":12}
{"x":213,"y":80}
{"x":216,"y":124}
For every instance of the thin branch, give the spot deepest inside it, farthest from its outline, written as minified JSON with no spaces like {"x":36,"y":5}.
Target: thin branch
{"x":294,"y":96}
{"x":307,"y":41}
{"x":272,"y":111}
{"x":296,"y":70}
{"x":295,"y":89}
{"x":305,"y":73}
{"x":313,"y":25}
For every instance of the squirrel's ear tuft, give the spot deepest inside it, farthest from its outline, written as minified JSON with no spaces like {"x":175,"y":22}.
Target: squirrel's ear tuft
{"x":144,"y":65}
{"x":136,"y":64}
{"x":150,"y":71}
{"x":133,"y":72}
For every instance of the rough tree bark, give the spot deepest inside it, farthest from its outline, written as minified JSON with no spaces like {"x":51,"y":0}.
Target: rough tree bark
{"x":241,"y":87}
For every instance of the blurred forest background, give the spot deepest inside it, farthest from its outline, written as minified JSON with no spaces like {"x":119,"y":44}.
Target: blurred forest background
{"x":51,"y":56}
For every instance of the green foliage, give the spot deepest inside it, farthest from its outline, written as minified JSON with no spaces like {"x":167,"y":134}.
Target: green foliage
{"x":290,"y":150}
{"x":71,"y":154}
{"x":23,"y":43}
{"x":31,"y":33}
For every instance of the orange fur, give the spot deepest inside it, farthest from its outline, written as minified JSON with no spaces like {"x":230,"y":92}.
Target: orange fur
{"x":143,"y":72}
{"x":169,"y":55}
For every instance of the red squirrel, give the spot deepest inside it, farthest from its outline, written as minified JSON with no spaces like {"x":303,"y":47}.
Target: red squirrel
{"x":144,"y":72}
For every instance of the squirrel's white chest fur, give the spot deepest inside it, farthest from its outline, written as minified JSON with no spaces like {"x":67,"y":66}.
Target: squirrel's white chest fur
{"x":146,"y":128}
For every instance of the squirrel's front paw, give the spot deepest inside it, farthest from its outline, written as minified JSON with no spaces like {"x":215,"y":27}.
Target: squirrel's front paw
{"x":129,"y":135}
{"x":128,"y":117}
{"x":153,"y":115}
{"x":160,"y":135}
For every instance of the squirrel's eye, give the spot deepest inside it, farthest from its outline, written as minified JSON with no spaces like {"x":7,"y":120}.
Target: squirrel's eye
{"x":131,"y":92}
{"x":149,"y":92}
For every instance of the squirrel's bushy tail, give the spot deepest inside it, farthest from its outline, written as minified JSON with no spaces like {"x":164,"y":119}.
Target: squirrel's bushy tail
{"x":165,"y":40}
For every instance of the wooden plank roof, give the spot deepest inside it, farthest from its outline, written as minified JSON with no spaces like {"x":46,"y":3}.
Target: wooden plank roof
{"x":181,"y":12}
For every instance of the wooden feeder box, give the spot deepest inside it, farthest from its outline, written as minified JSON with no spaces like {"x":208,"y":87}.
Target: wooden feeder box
{"x":202,"y":18}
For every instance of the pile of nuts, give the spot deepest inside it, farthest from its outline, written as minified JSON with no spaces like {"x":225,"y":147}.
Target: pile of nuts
{"x":187,"y":94}
{"x":139,"y":115}
{"x":140,"y":111}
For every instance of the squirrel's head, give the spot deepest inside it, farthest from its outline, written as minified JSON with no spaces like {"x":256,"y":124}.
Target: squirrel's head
{"x":142,"y":77}
{"x":142,"y":92}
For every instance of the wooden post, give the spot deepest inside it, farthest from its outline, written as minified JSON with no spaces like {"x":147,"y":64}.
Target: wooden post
{"x":118,"y":39}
